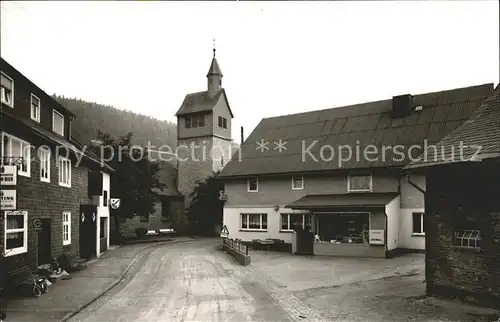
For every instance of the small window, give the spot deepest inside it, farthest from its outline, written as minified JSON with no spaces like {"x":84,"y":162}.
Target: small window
{"x":358,"y":183}
{"x":35,"y":108}
{"x":291,"y":221}
{"x":418,"y":223}
{"x":64,"y":172}
{"x":253,"y":185}
{"x":222,"y":161}
{"x":466,"y":233}
{"x":58,"y":122}
{"x":16,"y":232}
{"x":66,"y":228}
{"x":254,"y":221}
{"x":468,"y":238}
{"x":19,"y":151}
{"x":44,"y":164}
{"x":297,"y":182}
{"x":7,"y":90}
{"x":104,"y":198}
{"x":187,"y":122}
{"x":222,"y":122}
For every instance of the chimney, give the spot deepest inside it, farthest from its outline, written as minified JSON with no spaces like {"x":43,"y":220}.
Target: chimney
{"x":402,"y":105}
{"x":242,"y":137}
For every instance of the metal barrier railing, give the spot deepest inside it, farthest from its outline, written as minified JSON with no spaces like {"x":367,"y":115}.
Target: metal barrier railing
{"x":236,"y":245}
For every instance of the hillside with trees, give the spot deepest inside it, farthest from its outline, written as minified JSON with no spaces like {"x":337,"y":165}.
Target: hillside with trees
{"x":93,"y":117}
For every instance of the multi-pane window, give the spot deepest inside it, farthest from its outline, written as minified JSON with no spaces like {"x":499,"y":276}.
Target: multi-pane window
{"x":57,"y":122}
{"x":64,"y":172}
{"x":254,"y":221}
{"x":7,"y":90}
{"x":467,"y":233}
{"x":19,"y":151}
{"x":44,"y":164}
{"x":359,"y":183}
{"x":35,"y":108}
{"x":66,"y":228}
{"x":16,"y":232}
{"x":291,"y":221}
{"x":253,"y":184}
{"x":418,"y":223}
{"x":195,"y":121}
{"x":223,"y":122}
{"x":297,"y":182}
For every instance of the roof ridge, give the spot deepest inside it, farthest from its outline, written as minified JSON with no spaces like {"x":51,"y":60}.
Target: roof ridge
{"x":468,"y":98}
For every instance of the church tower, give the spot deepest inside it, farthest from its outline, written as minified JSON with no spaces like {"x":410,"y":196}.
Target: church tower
{"x":203,"y":133}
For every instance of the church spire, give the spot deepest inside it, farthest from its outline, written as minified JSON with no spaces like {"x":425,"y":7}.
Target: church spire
{"x":214,"y":76}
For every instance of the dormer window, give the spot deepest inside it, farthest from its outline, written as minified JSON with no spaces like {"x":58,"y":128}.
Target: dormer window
{"x":7,"y":90}
{"x":35,"y":108}
{"x":222,"y":122}
{"x":57,"y":122}
{"x":194,"y":121}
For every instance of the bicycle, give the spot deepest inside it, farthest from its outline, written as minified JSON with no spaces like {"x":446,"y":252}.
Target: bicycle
{"x":39,"y":286}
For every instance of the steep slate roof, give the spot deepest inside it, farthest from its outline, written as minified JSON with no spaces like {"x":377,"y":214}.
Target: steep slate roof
{"x":201,"y":102}
{"x":35,"y":128}
{"x":214,"y":67}
{"x":355,"y":125}
{"x":482,"y":129}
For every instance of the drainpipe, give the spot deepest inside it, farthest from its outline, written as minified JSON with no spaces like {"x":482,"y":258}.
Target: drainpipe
{"x":408,"y":176}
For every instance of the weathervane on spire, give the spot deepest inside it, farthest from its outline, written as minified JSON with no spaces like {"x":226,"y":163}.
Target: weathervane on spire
{"x":214,"y":47}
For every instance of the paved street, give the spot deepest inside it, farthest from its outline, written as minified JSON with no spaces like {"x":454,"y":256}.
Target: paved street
{"x":195,"y":282}
{"x":191,"y":280}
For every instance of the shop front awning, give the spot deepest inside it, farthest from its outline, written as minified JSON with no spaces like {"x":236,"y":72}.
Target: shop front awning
{"x":346,"y":200}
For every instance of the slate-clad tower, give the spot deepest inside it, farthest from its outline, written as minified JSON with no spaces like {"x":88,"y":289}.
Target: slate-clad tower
{"x":203,"y":132}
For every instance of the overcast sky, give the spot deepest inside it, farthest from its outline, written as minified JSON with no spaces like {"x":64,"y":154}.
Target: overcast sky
{"x":277,"y":58}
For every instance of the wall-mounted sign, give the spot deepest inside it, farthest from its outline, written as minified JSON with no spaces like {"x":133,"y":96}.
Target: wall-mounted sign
{"x":8,"y":175}
{"x":377,"y":237}
{"x":115,"y":203}
{"x":37,"y":224}
{"x":8,"y":200}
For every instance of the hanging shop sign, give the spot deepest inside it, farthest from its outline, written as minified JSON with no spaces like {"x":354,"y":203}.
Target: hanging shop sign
{"x":8,"y":199}
{"x":8,"y":175}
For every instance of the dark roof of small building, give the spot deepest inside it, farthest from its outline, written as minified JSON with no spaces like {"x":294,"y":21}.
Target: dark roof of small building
{"x":346,"y":200}
{"x":168,"y":177}
{"x":201,"y":102}
{"x":360,"y":125}
{"x":479,"y":137}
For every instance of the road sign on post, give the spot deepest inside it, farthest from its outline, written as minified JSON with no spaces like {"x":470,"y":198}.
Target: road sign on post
{"x":224,"y":232}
